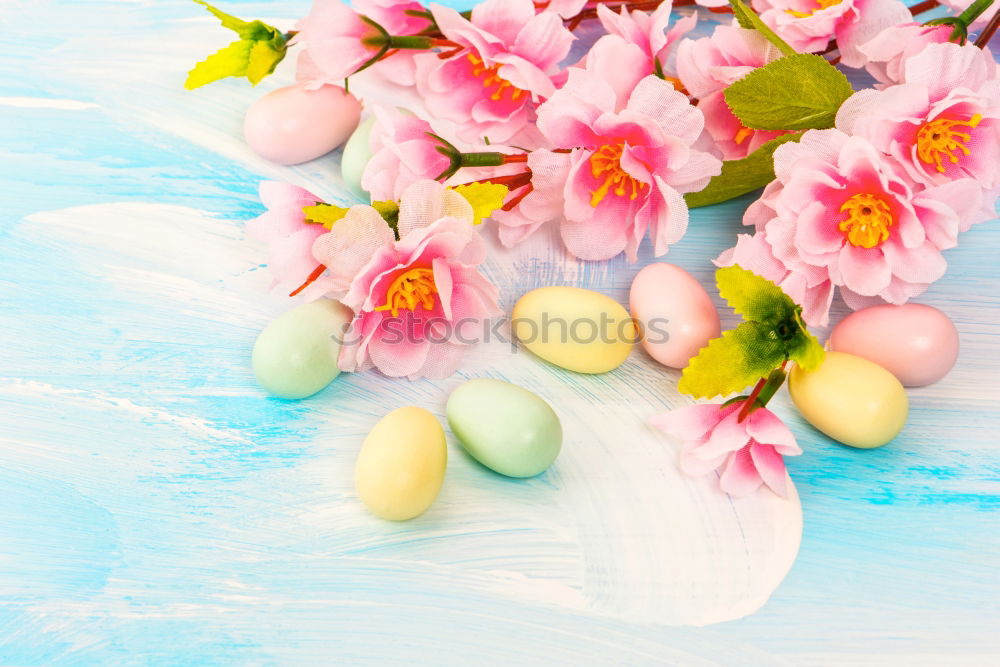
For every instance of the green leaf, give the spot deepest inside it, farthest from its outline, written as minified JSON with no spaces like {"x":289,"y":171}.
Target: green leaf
{"x":805,"y":350}
{"x":228,"y":21}
{"x":739,"y":358}
{"x":264,"y":57}
{"x":254,"y":55}
{"x":485,"y":198}
{"x":389,"y":210}
{"x":747,"y":18}
{"x":229,"y":61}
{"x":755,"y":298}
{"x":324,"y":214}
{"x":797,"y":92}
{"x":739,"y":177}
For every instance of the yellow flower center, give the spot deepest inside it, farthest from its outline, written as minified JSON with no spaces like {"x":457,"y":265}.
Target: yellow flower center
{"x":820,"y":6}
{"x":742,"y":134}
{"x":491,"y":79}
{"x":939,"y":138}
{"x":410,"y":289}
{"x":606,"y":163}
{"x":868,"y":220}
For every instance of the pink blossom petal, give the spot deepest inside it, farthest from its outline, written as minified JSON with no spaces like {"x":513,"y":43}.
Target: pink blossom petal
{"x":691,"y":422}
{"x":740,"y":477}
{"x":765,"y":427}
{"x":770,"y":466}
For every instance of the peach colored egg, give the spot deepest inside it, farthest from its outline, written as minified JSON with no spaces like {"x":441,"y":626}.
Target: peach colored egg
{"x":292,"y":125}
{"x":675,"y":314}
{"x":916,"y":343}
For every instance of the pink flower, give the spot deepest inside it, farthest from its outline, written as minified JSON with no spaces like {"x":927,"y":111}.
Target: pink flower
{"x":809,"y":25}
{"x":289,"y":237}
{"x":402,"y":153}
{"x":707,"y":66}
{"x":409,"y":295}
{"x":749,"y":453}
{"x":400,"y":67}
{"x":942,"y":123}
{"x":886,"y":53}
{"x":614,"y":175}
{"x":637,"y":45}
{"x":508,"y":58}
{"x":841,"y":211}
{"x":336,"y":42}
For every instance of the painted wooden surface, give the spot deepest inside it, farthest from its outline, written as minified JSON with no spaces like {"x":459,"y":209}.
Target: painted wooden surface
{"x":160,"y":509}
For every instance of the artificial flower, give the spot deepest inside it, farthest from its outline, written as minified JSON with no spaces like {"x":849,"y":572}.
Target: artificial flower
{"x":637,"y":45}
{"x":403,"y":151}
{"x":612,"y":176}
{"x":410,"y":295}
{"x":707,"y":66}
{"x":507,"y":57}
{"x":289,"y":237}
{"x":809,"y":25}
{"x":841,"y":210}
{"x":942,"y":123}
{"x":393,"y":15}
{"x":887,"y":52}
{"x":564,"y":8}
{"x":748,"y":453}
{"x":336,"y":42}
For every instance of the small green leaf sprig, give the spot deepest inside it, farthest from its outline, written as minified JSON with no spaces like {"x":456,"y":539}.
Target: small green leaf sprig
{"x":758,"y":350}
{"x":255,"y":54}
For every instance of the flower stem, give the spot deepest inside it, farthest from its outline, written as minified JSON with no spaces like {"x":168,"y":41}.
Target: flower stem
{"x":763,"y":391}
{"x":924,"y":6}
{"x":984,"y":37}
{"x":973,"y":11}
{"x":310,"y":279}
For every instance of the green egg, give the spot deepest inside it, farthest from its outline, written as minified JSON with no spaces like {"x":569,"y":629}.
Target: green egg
{"x":505,"y":427}
{"x":356,"y":155}
{"x":296,"y":355}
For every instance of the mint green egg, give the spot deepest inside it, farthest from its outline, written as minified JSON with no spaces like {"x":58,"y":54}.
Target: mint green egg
{"x":296,"y":354}
{"x":357,"y":153}
{"x":505,"y":427}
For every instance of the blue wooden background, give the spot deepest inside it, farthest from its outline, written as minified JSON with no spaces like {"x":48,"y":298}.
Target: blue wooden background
{"x":154,"y":507}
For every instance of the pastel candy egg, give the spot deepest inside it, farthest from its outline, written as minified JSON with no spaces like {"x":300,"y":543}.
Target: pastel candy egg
{"x":505,"y":427}
{"x":851,"y":399}
{"x":400,"y":467}
{"x":357,"y":153}
{"x":574,"y":328}
{"x":676,"y":316}
{"x":292,"y":125}
{"x":916,"y":343}
{"x":296,"y":354}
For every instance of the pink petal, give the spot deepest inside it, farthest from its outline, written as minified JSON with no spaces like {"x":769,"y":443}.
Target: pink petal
{"x":765,"y":427}
{"x":691,"y":422}
{"x":770,"y":467}
{"x":740,"y":476}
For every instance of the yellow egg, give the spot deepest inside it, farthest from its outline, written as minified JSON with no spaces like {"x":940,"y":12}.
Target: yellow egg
{"x":851,"y":399}
{"x":574,"y":328}
{"x":401,"y":465}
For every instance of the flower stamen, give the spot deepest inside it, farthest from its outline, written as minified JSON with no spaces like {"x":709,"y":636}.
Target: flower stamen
{"x":939,"y":138}
{"x":606,"y":162}
{"x":868,"y":220}
{"x":741,"y":135}
{"x":490,"y":79}
{"x":410,"y":289}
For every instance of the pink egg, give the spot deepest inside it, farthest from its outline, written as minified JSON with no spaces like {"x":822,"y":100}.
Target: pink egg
{"x":292,"y":125}
{"x":916,"y":343}
{"x":674,"y":312}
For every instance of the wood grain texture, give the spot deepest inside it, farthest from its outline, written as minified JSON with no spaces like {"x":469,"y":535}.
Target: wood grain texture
{"x":159,"y":509}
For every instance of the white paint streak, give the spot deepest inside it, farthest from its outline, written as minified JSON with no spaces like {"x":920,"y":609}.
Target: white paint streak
{"x":47,"y":103}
